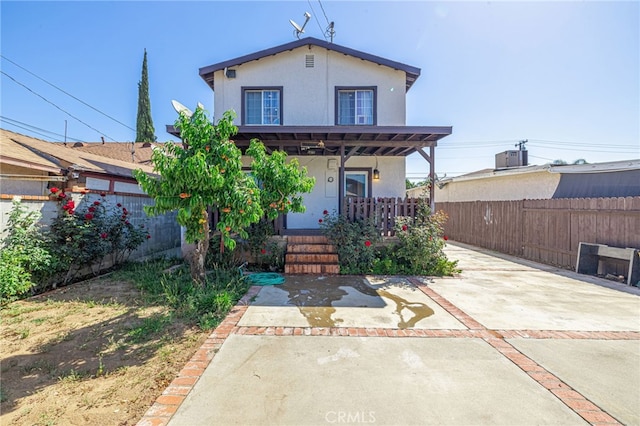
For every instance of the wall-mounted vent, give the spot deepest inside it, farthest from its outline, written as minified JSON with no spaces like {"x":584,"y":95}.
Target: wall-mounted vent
{"x":309,"y":61}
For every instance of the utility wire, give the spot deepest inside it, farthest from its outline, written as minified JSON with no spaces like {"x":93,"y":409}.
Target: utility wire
{"x":48,"y":101}
{"x":33,"y":131}
{"x":324,"y":13}
{"x":316,"y":18}
{"x":66,"y":93}
{"x":12,"y":121}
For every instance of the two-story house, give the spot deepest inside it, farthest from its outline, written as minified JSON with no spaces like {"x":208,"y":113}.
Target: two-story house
{"x":341,"y":112}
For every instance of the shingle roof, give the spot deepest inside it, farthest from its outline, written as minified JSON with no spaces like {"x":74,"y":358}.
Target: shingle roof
{"x":117,"y":150}
{"x":412,"y":73}
{"x":28,"y":151}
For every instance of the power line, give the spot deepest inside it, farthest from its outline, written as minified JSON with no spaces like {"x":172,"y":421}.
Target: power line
{"x":12,"y":121}
{"x":316,"y":18}
{"x":66,"y":93}
{"x":48,"y":101}
{"x":324,"y":13}
{"x":33,"y":131}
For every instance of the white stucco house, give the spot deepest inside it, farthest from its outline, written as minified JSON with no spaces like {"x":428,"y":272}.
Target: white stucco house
{"x":549,"y":181}
{"x":340,"y":111}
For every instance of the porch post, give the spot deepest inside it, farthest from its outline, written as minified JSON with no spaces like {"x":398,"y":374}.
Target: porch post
{"x":341,"y":180}
{"x":431,"y":159}
{"x":432,"y":178}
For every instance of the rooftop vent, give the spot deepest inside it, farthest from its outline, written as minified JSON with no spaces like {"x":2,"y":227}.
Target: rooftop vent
{"x":511,"y":159}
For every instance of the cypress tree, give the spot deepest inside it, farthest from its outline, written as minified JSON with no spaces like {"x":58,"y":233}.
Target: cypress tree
{"x":144,"y":124}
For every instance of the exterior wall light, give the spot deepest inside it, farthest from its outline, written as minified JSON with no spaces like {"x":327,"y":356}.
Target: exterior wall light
{"x":376,"y":172}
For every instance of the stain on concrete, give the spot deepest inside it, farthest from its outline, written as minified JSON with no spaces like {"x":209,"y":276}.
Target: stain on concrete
{"x":418,"y":309}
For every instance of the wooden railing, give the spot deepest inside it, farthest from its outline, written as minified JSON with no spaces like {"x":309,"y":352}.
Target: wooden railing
{"x":383,"y":211}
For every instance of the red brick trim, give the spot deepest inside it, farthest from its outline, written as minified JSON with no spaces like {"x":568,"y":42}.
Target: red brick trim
{"x":167,"y":404}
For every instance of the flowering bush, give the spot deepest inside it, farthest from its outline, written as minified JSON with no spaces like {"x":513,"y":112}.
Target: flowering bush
{"x":420,"y":247}
{"x":84,"y":236}
{"x":418,"y":252}
{"x":353,"y":241}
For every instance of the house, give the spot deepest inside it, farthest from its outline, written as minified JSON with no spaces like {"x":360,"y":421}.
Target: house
{"x":549,"y":181}
{"x":340,"y":111}
{"x":29,"y":167}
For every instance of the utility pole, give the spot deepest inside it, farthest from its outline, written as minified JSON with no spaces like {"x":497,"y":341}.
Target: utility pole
{"x":523,"y":154}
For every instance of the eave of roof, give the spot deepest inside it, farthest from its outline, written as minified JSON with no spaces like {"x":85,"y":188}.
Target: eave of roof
{"x":327,"y":140}
{"x":207,"y":73}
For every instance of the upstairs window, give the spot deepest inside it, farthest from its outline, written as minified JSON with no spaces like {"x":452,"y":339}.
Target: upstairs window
{"x":356,"y":106}
{"x":262,"y":106}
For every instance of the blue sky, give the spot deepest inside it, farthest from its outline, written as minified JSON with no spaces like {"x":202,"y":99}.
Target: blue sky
{"x":563,"y":75}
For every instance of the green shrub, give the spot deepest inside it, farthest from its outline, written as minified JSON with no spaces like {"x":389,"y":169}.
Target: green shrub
{"x":84,"y":237}
{"x":418,"y":252}
{"x":354,"y":241}
{"x":24,"y":257}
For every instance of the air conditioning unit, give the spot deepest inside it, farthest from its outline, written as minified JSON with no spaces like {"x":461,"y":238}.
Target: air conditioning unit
{"x":509,"y":159}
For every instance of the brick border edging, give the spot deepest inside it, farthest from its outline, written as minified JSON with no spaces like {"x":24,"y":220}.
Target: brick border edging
{"x":169,"y":401}
{"x":166,"y":405}
{"x":573,"y":399}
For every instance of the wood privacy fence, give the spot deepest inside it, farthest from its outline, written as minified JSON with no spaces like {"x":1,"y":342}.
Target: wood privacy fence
{"x":383,"y":211}
{"x":546,"y":231}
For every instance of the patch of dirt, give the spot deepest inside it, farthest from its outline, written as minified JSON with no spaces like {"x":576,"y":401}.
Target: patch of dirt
{"x":90,"y":353}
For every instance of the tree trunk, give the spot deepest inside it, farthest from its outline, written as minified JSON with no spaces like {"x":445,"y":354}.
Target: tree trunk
{"x":198,"y":256}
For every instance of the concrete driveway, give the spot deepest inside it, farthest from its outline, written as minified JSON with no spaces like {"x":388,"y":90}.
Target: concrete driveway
{"x":506,"y":342}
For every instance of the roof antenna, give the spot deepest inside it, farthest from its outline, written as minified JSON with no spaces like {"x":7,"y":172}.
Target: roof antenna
{"x":300,"y":29}
{"x":330,"y":32}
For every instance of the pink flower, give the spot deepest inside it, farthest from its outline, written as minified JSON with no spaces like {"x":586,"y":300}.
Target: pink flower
{"x":319,"y":220}
{"x":404,"y":227}
{"x":96,"y":203}
{"x":263,"y":251}
{"x":92,"y":209}
{"x":127,"y":223}
{"x":54,"y":190}
{"x":367,"y":243}
{"x":103,"y":194}
{"x":325,"y":212}
{"x":445,"y":238}
{"x":62,"y":195}
{"x":103,"y":235}
{"x":148,"y":236}
{"x":119,"y":205}
{"x":88,"y":216}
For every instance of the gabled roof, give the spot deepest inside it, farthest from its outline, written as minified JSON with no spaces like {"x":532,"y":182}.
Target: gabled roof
{"x":130,"y":152}
{"x":25,"y":151}
{"x":412,"y":73}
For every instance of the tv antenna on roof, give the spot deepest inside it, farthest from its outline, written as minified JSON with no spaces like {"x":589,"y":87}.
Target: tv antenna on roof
{"x":300,"y":29}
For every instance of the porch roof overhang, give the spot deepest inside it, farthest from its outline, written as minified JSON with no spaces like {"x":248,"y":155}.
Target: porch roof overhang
{"x":328,"y":140}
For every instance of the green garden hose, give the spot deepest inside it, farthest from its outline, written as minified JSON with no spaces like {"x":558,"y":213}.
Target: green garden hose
{"x":265,"y":278}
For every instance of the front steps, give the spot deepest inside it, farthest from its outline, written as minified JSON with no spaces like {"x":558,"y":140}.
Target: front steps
{"x":310,"y":255}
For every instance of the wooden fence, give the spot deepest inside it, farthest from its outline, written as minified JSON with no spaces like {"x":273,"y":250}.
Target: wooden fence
{"x":383,"y":211}
{"x":546,"y":231}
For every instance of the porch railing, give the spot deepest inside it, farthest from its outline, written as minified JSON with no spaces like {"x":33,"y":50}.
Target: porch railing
{"x":383,"y":211}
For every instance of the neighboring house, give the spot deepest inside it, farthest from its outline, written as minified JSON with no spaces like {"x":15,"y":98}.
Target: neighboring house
{"x":611,"y":179}
{"x":341,"y":112}
{"x":29,"y":167}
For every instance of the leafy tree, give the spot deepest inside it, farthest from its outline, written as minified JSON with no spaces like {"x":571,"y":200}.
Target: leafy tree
{"x":206,"y":172}
{"x":144,"y":124}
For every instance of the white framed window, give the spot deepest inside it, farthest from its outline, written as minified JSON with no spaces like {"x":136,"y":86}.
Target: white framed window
{"x":262,"y":106}
{"x":356,"y":106}
{"x":356,"y":183}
